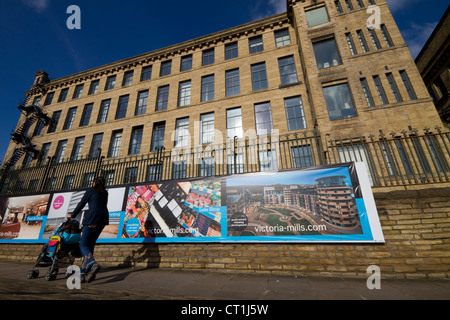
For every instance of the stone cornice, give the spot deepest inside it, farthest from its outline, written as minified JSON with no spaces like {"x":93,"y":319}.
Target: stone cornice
{"x":182,"y":48}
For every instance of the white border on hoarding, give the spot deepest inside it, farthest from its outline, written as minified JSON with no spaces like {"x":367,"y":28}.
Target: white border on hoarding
{"x":369,"y":202}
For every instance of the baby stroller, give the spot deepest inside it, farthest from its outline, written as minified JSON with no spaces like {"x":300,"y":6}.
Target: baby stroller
{"x":62,"y":248}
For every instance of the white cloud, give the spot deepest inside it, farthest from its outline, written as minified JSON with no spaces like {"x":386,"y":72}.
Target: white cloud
{"x":278,"y":6}
{"x":266,"y":8}
{"x":38,"y":5}
{"x":417,"y":35}
{"x":396,"y":5}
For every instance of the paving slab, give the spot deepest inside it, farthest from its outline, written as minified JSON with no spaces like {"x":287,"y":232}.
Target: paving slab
{"x":181,"y":284}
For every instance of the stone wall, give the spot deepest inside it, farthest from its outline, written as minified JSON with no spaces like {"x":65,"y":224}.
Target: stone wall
{"x":415,"y":223}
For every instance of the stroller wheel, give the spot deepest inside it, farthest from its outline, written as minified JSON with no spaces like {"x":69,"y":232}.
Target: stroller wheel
{"x":32,"y":274}
{"x":51,"y":274}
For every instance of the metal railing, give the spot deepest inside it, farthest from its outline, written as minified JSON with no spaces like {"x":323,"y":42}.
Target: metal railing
{"x":392,"y":160}
{"x":401,"y":159}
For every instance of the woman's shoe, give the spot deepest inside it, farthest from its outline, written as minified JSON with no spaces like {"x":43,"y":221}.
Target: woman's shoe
{"x":92,"y":272}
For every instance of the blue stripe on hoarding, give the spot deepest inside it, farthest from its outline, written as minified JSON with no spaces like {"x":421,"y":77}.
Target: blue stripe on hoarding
{"x":219,"y":213}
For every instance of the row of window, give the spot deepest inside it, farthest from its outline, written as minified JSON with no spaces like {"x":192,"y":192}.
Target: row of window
{"x":340,"y":103}
{"x":263,"y":119}
{"x":349,"y":5}
{"x":338,"y":99}
{"x":288,"y":75}
{"x":326,"y":56}
{"x":392,"y":84}
{"x":301,"y":157}
{"x":325,"y":48}
{"x":373,"y":37}
{"x":318,"y":16}
{"x":256,"y":44}
{"x":327,"y":53}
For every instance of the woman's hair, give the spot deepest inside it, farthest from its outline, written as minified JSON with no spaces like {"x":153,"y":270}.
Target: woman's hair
{"x":99,"y":185}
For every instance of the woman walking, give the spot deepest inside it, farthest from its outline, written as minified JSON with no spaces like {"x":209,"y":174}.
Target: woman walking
{"x":95,"y":219}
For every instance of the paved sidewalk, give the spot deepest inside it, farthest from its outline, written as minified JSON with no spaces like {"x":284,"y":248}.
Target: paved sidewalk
{"x":161,"y":284}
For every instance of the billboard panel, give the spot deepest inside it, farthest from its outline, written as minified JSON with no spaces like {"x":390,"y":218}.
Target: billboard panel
{"x":320,"y":204}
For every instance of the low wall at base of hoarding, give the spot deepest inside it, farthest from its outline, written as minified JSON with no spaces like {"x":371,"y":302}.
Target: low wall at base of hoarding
{"x":415,"y":224}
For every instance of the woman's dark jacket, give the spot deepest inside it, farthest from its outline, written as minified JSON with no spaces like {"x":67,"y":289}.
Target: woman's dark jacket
{"x":98,"y":211}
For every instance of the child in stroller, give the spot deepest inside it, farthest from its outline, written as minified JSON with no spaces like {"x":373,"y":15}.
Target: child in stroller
{"x":63,"y":247}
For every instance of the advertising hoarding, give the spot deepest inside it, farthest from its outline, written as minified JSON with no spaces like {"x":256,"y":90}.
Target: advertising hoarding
{"x":330,"y":204}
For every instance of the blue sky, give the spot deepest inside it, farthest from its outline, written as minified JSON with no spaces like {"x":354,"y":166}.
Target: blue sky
{"x":34,"y":36}
{"x":289,"y":178}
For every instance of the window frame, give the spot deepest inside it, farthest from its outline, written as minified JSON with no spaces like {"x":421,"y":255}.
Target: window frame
{"x":56,"y":116}
{"x":186,"y":62}
{"x":316,"y":10}
{"x":262,"y":126}
{"x":232,"y":87}
{"x":86,"y":115}
{"x":60,"y":151}
{"x":338,"y":7}
{"x":302,"y":156}
{"x":156,"y":136}
{"x":141,"y":103}
{"x":367,"y":93}
{"x":103,"y":111}
{"x":290,"y":64}
{"x":49,"y":98}
{"x":77,"y":149}
{"x":122,"y":106}
{"x":44,"y":153}
{"x":318,"y":45}
{"x":296,"y":108}
{"x":96,"y":144}
{"x":254,"y":46}
{"x":166,"y":68}
{"x":182,"y":136}
{"x":146,"y":73}
{"x":380,"y":90}
{"x":408,"y":85}
{"x":350,"y":112}
{"x":362,"y":41}
{"x":208,"y":57}
{"x":78,"y":91}
{"x":162,"y":98}
{"x":136,"y":140}
{"x":115,"y":142}
{"x":110,"y":82}
{"x":259,"y":76}
{"x":351,"y":44}
{"x":234,"y":129}
{"x":184,"y":93}
{"x":386,"y":36}
{"x":128,"y":78}
{"x":70,"y":118}
{"x":282,"y":37}
{"x":394,"y":87}
{"x":62,"y":95}
{"x":207,"y":88}
{"x":231,"y":50}
{"x":207,"y":128}
{"x":93,"y":87}
{"x":374,"y":38}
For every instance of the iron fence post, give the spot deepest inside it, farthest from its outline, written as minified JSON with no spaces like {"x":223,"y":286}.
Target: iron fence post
{"x":46,"y":171}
